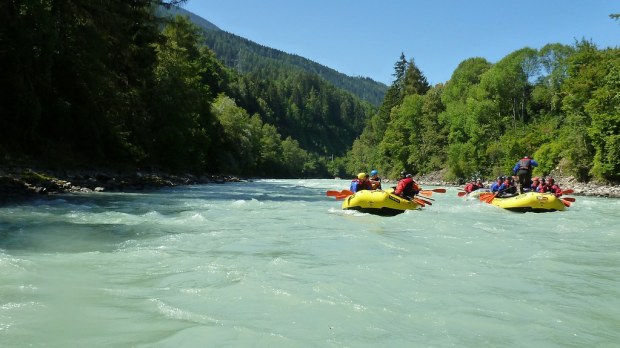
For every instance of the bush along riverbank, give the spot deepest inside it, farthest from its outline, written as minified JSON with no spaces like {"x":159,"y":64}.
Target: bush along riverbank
{"x":25,"y":181}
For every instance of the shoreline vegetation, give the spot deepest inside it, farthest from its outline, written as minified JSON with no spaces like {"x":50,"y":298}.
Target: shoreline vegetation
{"x":23,"y":182}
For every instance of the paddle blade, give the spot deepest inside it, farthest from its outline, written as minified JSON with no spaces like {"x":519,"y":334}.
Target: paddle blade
{"x":566,"y":203}
{"x":487,"y":197}
{"x":462,"y":194}
{"x":421,"y":202}
{"x":439,"y":190}
{"x":570,"y":199}
{"x":332,"y":193}
{"x":567,"y":192}
{"x":426,"y":193}
{"x":346,"y":192}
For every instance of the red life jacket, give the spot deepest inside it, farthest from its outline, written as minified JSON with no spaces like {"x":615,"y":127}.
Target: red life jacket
{"x":469,"y":187}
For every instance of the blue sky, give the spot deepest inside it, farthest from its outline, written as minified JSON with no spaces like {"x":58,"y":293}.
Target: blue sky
{"x":366,"y":37}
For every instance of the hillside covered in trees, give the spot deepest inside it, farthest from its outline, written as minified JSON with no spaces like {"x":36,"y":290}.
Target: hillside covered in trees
{"x":117,"y":85}
{"x":559,"y":104}
{"x":114,"y":84}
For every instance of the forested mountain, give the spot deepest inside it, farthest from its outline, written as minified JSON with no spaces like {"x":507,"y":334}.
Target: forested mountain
{"x":246,"y":56}
{"x":113,"y":84}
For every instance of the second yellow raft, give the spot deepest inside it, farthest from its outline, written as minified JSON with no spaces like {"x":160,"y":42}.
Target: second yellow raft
{"x":530,"y":202}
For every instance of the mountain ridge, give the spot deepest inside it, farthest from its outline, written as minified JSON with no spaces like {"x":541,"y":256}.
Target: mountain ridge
{"x":246,"y":56}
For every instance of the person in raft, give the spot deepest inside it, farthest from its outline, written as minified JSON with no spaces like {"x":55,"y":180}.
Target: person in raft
{"x":496,"y":185}
{"x":474,"y":185}
{"x":375,"y":180}
{"x":535,"y":184}
{"x":523,"y":169}
{"x":361,"y":183}
{"x":551,"y":187}
{"x":406,"y":187}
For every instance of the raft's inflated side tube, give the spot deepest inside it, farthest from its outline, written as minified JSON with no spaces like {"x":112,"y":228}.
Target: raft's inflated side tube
{"x":530,"y":202}
{"x":378,"y":202}
{"x":476,"y":194}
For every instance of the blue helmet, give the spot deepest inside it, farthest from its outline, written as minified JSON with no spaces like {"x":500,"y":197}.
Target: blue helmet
{"x":374,"y":172}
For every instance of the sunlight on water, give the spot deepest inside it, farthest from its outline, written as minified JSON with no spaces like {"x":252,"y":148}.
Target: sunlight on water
{"x":277,"y":263}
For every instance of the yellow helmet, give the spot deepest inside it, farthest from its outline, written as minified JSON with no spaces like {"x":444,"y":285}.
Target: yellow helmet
{"x":361,"y":176}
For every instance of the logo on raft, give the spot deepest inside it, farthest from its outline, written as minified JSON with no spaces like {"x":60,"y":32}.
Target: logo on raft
{"x":391,"y":197}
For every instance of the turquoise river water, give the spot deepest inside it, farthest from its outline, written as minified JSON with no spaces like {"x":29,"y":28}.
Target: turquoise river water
{"x":276,"y":263}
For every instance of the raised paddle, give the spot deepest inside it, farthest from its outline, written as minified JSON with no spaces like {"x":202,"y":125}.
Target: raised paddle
{"x":567,"y":192}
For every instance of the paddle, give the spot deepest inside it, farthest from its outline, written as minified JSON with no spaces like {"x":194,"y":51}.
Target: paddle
{"x":570,"y":199}
{"x":332,"y":193}
{"x":462,"y":194}
{"x":567,"y":192}
{"x":488,"y":197}
{"x":420,"y":200}
{"x":566,"y":203}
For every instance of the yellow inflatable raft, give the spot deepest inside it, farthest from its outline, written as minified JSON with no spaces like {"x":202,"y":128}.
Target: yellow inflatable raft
{"x":530,"y":201}
{"x":378,"y":202}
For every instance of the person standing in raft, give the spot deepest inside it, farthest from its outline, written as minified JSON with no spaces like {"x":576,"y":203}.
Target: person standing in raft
{"x":406,"y":187}
{"x":361,"y":183}
{"x":375,"y":180}
{"x":523,"y":169}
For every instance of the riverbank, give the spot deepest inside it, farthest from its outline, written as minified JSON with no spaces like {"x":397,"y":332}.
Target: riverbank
{"x":24,"y":182}
{"x":565,"y":182}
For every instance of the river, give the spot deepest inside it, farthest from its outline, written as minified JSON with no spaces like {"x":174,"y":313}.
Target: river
{"x":276,"y":263}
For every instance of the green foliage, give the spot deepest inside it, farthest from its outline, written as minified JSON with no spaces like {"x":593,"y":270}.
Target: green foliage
{"x":110,"y":83}
{"x":559,"y":105}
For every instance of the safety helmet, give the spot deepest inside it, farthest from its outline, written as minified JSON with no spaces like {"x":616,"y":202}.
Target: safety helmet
{"x":500,"y":177}
{"x":478,"y":180}
{"x":403,"y":174}
{"x":374,"y":172}
{"x":361,"y":176}
{"x":536,"y":179}
{"x":550,"y":179}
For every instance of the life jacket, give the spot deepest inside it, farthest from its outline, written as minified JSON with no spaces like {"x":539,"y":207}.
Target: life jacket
{"x":407,"y":187}
{"x":525,"y":164}
{"x":469,"y":187}
{"x":376,"y":186}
